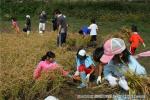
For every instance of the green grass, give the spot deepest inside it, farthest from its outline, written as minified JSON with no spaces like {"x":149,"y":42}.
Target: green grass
{"x":79,"y":9}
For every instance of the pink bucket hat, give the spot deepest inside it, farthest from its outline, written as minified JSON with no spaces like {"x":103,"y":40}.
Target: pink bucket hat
{"x":112,"y":47}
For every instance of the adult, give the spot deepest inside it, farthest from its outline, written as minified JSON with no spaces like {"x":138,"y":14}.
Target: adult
{"x":62,"y":28}
{"x":42,"y":22}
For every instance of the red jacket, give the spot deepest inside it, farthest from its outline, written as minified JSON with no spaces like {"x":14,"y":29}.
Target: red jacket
{"x":135,"y":40}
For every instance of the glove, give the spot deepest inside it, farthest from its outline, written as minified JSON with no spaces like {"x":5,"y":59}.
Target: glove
{"x":76,"y":73}
{"x":123,"y":83}
{"x":99,"y":80}
{"x":87,"y":77}
{"x":144,"y":45}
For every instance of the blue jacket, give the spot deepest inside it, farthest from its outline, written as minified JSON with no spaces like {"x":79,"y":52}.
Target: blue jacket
{"x":85,"y":30}
{"x":88,"y":62}
{"x":119,"y":69}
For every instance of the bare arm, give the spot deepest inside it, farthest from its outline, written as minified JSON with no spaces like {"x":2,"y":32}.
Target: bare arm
{"x":93,"y":68}
{"x":100,"y":69}
{"x":59,"y":28}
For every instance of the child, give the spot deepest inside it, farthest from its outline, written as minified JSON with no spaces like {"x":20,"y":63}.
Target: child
{"x":97,"y":54}
{"x":15,"y":25}
{"x":118,"y":60}
{"x":135,"y":40}
{"x":93,"y":27}
{"x":48,"y":63}
{"x":85,"y":67}
{"x":27,"y":25}
{"x":84,"y":31}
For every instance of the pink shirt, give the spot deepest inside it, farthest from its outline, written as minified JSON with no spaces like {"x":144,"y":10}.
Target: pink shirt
{"x":46,"y":66}
{"x":144,"y":54}
{"x":14,"y":23}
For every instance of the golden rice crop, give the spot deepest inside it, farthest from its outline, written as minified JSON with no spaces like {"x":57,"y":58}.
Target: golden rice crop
{"x":20,"y":54}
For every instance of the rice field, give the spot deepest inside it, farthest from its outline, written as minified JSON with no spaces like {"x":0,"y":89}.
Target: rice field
{"x":21,"y":53}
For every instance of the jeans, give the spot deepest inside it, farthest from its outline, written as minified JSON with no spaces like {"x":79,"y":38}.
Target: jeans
{"x":61,"y":39}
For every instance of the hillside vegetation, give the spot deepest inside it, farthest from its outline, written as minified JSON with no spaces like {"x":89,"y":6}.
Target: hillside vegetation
{"x":79,"y":9}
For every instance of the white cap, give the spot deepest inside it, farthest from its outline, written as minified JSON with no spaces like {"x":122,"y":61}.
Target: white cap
{"x":82,"y":52}
{"x":27,"y":16}
{"x":51,"y":98}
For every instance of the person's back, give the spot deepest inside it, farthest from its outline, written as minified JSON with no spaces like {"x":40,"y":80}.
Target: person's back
{"x":135,"y":40}
{"x":93,"y":28}
{"x":62,"y":21}
{"x":85,"y":30}
{"x":93,"y":33}
{"x":117,"y":70}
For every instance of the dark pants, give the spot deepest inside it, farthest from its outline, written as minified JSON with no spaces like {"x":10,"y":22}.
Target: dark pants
{"x":28,"y":28}
{"x":61,"y":39}
{"x":93,"y":38}
{"x":54,"y":26}
{"x":132,"y":50}
{"x":92,"y":41}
